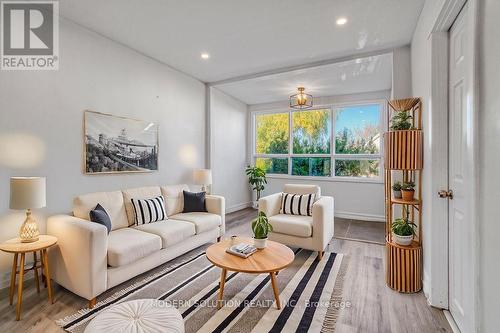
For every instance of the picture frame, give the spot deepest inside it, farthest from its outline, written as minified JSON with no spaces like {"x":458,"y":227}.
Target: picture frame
{"x":116,"y":144}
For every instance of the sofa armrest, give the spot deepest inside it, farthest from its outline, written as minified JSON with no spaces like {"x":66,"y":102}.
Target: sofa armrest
{"x":323,"y":223}
{"x":79,"y":260}
{"x":271,"y":204}
{"x":216,"y":204}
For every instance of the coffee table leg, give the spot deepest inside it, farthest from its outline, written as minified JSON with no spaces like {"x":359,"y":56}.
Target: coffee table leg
{"x":275,"y":290}
{"x":221,"y":287}
{"x":13,"y":279}
{"x":20,"y":288}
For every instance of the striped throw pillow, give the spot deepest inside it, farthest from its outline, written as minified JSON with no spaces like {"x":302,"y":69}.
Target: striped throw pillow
{"x":149,"y":210}
{"x":296,"y":204}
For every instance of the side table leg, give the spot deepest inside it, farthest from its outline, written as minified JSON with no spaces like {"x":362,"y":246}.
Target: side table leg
{"x":35,"y":270}
{"x":20,"y":288}
{"x":221,"y":287}
{"x":275,"y":290}
{"x":13,"y":279}
{"x":42,"y":262}
{"x":47,"y":275}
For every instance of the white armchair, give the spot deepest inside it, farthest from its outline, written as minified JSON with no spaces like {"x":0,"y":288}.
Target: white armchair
{"x":308,"y":232}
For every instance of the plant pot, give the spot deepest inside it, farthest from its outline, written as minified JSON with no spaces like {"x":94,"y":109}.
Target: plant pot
{"x":397,"y":194}
{"x":402,"y":240}
{"x":408,"y":195}
{"x":255,"y":204}
{"x":260,"y":243}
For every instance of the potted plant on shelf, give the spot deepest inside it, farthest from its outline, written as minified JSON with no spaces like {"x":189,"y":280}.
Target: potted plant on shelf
{"x":403,"y":230}
{"x":408,"y":191}
{"x":261,"y":227}
{"x":256,"y":179}
{"x":401,"y":121}
{"x":396,"y":189}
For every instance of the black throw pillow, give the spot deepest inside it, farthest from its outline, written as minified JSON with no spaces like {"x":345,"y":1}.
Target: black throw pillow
{"x":194,"y":202}
{"x":99,"y":215}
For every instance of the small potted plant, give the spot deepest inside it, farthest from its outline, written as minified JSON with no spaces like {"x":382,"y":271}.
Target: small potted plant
{"x":401,"y":121}
{"x":403,"y":231}
{"x":408,"y":191}
{"x":261,"y":227}
{"x":396,"y":189}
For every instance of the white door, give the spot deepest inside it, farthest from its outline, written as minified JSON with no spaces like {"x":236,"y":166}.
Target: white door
{"x":461,"y":281}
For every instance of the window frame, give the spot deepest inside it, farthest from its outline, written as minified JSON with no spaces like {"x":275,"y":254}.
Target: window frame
{"x":334,"y":108}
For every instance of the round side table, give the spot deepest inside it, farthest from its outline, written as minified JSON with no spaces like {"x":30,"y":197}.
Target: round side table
{"x":20,"y":249}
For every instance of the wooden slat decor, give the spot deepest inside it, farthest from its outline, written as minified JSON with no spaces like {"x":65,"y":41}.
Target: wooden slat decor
{"x":403,"y":150}
{"x":404,"y":267}
{"x":404,"y":104}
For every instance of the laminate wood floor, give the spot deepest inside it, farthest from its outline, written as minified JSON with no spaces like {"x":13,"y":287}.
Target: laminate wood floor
{"x":373,"y":306}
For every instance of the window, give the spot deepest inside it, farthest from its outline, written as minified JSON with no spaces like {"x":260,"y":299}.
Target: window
{"x":342,"y":141}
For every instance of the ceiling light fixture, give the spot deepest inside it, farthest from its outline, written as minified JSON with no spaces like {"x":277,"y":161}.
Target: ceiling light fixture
{"x":341,"y":21}
{"x":301,"y":100}
{"x":205,"y":55}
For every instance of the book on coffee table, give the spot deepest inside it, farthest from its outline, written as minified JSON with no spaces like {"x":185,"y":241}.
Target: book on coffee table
{"x":242,"y":250}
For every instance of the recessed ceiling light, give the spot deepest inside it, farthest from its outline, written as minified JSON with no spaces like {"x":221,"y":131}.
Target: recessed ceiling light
{"x":341,"y":21}
{"x":205,"y":55}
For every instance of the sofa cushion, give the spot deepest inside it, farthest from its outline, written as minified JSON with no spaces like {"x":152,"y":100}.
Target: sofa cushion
{"x":194,"y":202}
{"x":294,"y":225}
{"x":202,"y":221}
{"x":174,"y":198}
{"x":112,"y":202}
{"x":147,"y":192}
{"x":99,"y":215}
{"x":127,"y":245}
{"x":171,"y":231}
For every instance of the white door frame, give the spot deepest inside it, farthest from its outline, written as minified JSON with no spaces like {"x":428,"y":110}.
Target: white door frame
{"x":438,"y":292}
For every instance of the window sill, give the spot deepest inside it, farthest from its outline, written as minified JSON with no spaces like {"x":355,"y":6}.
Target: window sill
{"x":328,"y":179}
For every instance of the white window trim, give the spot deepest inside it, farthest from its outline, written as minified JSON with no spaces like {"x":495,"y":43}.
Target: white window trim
{"x":332,"y":178}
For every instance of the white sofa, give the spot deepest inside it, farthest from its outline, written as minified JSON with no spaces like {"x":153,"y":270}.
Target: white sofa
{"x":88,"y":261}
{"x":307,"y":232}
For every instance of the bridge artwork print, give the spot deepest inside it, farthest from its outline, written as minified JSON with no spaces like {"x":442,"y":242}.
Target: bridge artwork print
{"x":116,"y":144}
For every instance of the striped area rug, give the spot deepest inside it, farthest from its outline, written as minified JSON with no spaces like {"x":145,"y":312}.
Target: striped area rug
{"x":310,"y":295}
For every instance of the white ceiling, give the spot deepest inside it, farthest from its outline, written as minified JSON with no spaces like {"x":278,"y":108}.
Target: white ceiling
{"x":244,"y":37}
{"x":349,"y":77}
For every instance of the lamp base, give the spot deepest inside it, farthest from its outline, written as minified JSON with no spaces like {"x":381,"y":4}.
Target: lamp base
{"x":29,"y":229}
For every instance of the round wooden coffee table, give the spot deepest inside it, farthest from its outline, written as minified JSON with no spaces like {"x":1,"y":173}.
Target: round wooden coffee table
{"x":270,"y":260}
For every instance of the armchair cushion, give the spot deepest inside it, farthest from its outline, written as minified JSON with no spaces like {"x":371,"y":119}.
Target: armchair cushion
{"x":127,"y":245}
{"x":297,"y":204}
{"x":303,"y":189}
{"x":295,"y":225}
{"x":202,"y":221}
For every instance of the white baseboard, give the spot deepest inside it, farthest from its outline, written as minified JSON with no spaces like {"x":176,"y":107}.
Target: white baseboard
{"x":360,"y":216}
{"x":241,"y":206}
{"x":451,"y":321}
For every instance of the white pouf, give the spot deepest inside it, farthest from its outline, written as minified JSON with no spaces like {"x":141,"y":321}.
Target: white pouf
{"x":143,"y":315}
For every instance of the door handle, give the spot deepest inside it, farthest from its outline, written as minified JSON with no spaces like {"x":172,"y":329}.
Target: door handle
{"x":446,"y":194}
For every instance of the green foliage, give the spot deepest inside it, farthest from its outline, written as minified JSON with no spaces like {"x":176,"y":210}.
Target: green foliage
{"x":311,"y":166}
{"x":311,"y":132}
{"x":403,"y":227}
{"x":256,"y":178}
{"x":272,"y":133}
{"x":261,"y":226}
{"x":397,"y":186}
{"x":408,"y":186}
{"x":273,"y":165}
{"x":401,"y":121}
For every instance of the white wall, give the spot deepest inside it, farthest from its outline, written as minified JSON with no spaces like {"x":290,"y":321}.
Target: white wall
{"x":229,"y":157}
{"x":434,"y":173}
{"x":41,"y":115}
{"x":357,"y":200}
{"x":489,"y":163}
{"x":401,"y":73}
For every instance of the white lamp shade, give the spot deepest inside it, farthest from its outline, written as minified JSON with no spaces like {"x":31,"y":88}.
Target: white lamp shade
{"x":27,"y":192}
{"x":202,"y":176}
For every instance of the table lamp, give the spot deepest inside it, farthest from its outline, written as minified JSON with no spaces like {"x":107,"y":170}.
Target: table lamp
{"x":27,"y":193}
{"x":203,"y":177}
